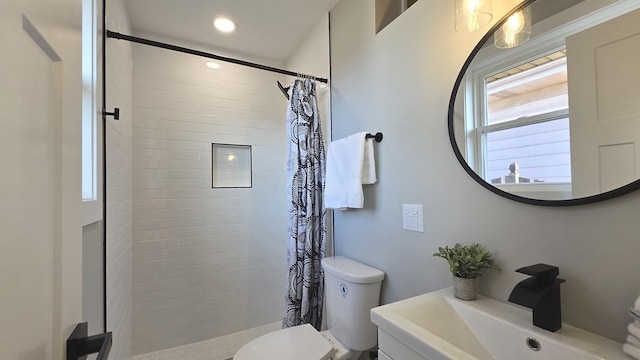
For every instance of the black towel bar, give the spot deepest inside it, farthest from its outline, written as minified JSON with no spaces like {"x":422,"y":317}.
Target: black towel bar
{"x":377,"y":137}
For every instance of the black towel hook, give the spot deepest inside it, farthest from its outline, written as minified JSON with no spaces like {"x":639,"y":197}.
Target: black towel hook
{"x":377,"y":137}
{"x":115,"y":114}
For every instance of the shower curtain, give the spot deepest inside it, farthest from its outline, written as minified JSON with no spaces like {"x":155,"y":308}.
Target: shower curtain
{"x":306,"y":240}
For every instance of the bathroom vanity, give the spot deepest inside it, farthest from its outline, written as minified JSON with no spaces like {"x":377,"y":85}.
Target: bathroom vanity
{"x":437,"y":326}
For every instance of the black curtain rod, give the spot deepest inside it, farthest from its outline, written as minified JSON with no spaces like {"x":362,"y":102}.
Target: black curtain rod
{"x":115,"y":35}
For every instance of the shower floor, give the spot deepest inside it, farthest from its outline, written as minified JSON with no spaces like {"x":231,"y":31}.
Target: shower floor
{"x":220,"y":348}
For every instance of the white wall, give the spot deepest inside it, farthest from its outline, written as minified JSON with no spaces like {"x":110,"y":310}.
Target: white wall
{"x":207,"y":262}
{"x":399,"y":82}
{"x":40,"y":222}
{"x":119,"y":186}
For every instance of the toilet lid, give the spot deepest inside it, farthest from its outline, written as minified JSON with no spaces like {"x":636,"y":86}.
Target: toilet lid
{"x":294,"y":343}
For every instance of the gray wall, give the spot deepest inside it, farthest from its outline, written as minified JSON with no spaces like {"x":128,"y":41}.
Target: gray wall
{"x":399,"y":82}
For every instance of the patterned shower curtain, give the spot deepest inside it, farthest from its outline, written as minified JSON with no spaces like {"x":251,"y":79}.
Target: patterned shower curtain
{"x":306,"y":240}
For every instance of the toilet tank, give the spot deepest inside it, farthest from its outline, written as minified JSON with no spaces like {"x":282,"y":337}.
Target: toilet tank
{"x":352,"y":289}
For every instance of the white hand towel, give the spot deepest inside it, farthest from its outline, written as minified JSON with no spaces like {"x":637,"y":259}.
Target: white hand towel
{"x":634,"y":329}
{"x":368,"y":163}
{"x":631,"y":350}
{"x":632,"y":340}
{"x":350,"y":163}
{"x":637,"y":303}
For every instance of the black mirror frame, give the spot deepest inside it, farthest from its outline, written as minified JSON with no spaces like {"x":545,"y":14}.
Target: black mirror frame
{"x":454,"y":145}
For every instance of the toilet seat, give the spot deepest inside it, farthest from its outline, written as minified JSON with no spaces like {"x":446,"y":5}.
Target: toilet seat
{"x":292,"y":343}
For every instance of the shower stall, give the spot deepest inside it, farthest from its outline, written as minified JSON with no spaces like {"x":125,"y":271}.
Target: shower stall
{"x":207,"y":261}
{"x":208,"y":160}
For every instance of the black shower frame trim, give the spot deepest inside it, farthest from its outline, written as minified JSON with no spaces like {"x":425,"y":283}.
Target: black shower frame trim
{"x":104,"y":162}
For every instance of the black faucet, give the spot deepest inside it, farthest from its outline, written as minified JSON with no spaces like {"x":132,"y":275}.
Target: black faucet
{"x":540,"y":293}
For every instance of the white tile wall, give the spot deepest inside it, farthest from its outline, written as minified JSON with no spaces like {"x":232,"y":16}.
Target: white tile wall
{"x":119,"y":186}
{"x":206,"y":262}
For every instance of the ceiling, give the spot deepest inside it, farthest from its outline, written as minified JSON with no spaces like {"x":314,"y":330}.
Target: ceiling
{"x":269,"y":29}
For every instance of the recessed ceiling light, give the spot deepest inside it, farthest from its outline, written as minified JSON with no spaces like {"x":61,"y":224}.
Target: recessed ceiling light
{"x":224,"y":24}
{"x":213,"y":65}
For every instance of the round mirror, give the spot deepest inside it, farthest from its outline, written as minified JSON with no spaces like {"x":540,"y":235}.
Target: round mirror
{"x":546,"y":109}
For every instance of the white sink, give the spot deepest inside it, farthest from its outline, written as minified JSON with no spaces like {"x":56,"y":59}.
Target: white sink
{"x":439,"y":326}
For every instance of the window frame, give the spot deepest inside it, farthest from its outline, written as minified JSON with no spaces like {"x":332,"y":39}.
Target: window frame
{"x":483,"y":129}
{"x":488,"y":62}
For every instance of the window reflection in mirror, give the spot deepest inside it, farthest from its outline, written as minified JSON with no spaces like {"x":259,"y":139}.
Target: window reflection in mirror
{"x":522,"y":130}
{"x":555,"y":118}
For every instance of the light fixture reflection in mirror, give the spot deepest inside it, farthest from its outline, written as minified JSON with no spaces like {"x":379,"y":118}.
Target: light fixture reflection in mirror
{"x":583,"y":122}
{"x":471,"y":15}
{"x":515,"y":31}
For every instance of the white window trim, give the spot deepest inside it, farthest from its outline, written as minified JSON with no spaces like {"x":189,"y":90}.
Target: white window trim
{"x":552,"y":191}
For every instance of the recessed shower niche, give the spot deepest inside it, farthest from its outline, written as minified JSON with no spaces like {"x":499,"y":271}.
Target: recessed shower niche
{"x":231,"y":166}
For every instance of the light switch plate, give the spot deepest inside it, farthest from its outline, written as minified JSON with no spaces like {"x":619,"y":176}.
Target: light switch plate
{"x":412,"y":218}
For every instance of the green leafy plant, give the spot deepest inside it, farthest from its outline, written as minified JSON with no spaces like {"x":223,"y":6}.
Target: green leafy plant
{"x":466,"y":261}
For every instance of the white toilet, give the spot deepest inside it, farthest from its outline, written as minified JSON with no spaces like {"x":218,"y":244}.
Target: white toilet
{"x":352,"y":289}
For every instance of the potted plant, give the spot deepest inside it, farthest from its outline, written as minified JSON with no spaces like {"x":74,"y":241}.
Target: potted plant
{"x":465,"y":263}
